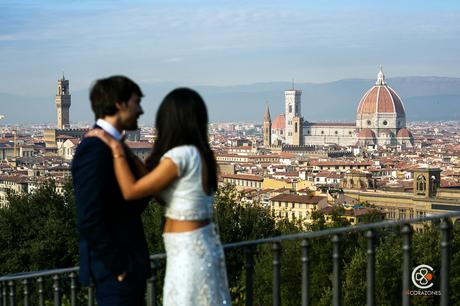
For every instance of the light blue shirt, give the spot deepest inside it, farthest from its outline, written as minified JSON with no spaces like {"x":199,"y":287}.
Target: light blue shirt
{"x":109,"y":128}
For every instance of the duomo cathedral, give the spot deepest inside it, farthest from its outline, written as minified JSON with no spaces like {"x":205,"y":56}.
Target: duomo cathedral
{"x":380,"y":121}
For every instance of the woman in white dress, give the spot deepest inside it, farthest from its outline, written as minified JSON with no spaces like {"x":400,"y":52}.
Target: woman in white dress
{"x":184,"y":177}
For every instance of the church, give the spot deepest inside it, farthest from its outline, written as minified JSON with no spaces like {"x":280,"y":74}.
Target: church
{"x":380,"y":121}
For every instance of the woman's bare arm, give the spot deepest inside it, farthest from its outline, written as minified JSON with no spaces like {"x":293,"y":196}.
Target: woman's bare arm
{"x":153,"y":182}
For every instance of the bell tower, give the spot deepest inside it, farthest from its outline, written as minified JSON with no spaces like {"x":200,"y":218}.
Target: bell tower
{"x":292,"y":105}
{"x":267,"y":128}
{"x":62,"y":100}
{"x":427,"y":181}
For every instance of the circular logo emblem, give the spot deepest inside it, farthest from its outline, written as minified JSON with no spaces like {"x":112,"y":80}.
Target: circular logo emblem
{"x":422,"y":276}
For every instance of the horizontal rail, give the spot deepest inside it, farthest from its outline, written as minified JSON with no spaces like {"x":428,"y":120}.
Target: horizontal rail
{"x":35,"y":274}
{"x":341,"y":230}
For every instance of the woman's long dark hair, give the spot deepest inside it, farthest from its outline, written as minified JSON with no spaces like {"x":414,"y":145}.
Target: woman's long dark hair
{"x":182,"y":119}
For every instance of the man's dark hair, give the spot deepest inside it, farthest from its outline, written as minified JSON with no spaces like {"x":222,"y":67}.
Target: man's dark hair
{"x":106,"y":92}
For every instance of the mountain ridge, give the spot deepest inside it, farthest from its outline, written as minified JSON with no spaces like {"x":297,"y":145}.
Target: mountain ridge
{"x":330,"y":101}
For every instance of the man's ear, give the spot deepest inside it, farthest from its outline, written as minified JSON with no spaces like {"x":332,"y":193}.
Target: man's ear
{"x":120,"y":105}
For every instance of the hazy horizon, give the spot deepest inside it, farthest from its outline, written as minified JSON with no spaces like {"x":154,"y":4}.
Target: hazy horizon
{"x":332,"y":101}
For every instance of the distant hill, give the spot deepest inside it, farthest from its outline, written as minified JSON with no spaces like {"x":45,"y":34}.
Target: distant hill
{"x":425,"y":98}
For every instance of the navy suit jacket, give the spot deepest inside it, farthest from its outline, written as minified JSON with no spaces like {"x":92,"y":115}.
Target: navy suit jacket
{"x":112,"y":239}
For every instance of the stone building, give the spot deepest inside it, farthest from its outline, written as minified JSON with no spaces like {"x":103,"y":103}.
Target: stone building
{"x":426,"y":198}
{"x":380,"y":121}
{"x":63,"y":102}
{"x":52,"y":137}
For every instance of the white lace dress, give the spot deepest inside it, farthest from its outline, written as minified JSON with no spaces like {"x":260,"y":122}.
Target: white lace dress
{"x":195,"y":264}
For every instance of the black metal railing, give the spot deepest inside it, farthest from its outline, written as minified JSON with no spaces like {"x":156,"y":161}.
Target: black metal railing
{"x":67,"y":278}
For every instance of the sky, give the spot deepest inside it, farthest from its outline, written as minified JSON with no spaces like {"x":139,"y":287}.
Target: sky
{"x":223,"y":42}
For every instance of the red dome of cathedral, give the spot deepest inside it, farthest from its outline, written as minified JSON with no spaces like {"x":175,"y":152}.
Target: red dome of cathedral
{"x":381,"y":98}
{"x":366,"y":133}
{"x":279,"y":122}
{"x":404,"y":133}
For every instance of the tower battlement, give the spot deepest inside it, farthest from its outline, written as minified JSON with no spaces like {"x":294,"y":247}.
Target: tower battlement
{"x":63,"y":102}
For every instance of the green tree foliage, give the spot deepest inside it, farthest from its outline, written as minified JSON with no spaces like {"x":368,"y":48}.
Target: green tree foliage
{"x":153,"y":218}
{"x":290,"y":267}
{"x":354,"y":279}
{"x":38,"y":230}
{"x":238,"y":222}
{"x":455,"y":267}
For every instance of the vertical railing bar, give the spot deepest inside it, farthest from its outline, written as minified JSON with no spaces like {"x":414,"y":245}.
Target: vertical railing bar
{"x":41,"y":296}
{"x":25,"y":284}
{"x":5,"y":293}
{"x":12,"y":286}
{"x":370,"y":268}
{"x":73,"y":288}
{"x":91,"y":294}
{"x":446,"y":227}
{"x":249,"y":275}
{"x":276,"y":249}
{"x":151,"y":292}
{"x":406,"y":248}
{"x":1,"y":294}
{"x":337,"y":280}
{"x":305,"y":245}
{"x":57,"y":290}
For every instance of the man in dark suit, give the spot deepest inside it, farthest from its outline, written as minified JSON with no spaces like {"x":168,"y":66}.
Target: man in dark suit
{"x":113,"y":249}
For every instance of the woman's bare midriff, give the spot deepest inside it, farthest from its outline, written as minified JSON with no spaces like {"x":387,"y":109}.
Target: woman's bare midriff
{"x":177,"y":226}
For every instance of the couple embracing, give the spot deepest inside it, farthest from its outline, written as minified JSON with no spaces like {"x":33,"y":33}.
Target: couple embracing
{"x":113,"y":187}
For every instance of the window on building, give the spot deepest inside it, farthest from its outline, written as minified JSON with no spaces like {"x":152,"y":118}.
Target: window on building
{"x":433,"y":183}
{"x":421,"y":183}
{"x":402,"y":214}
